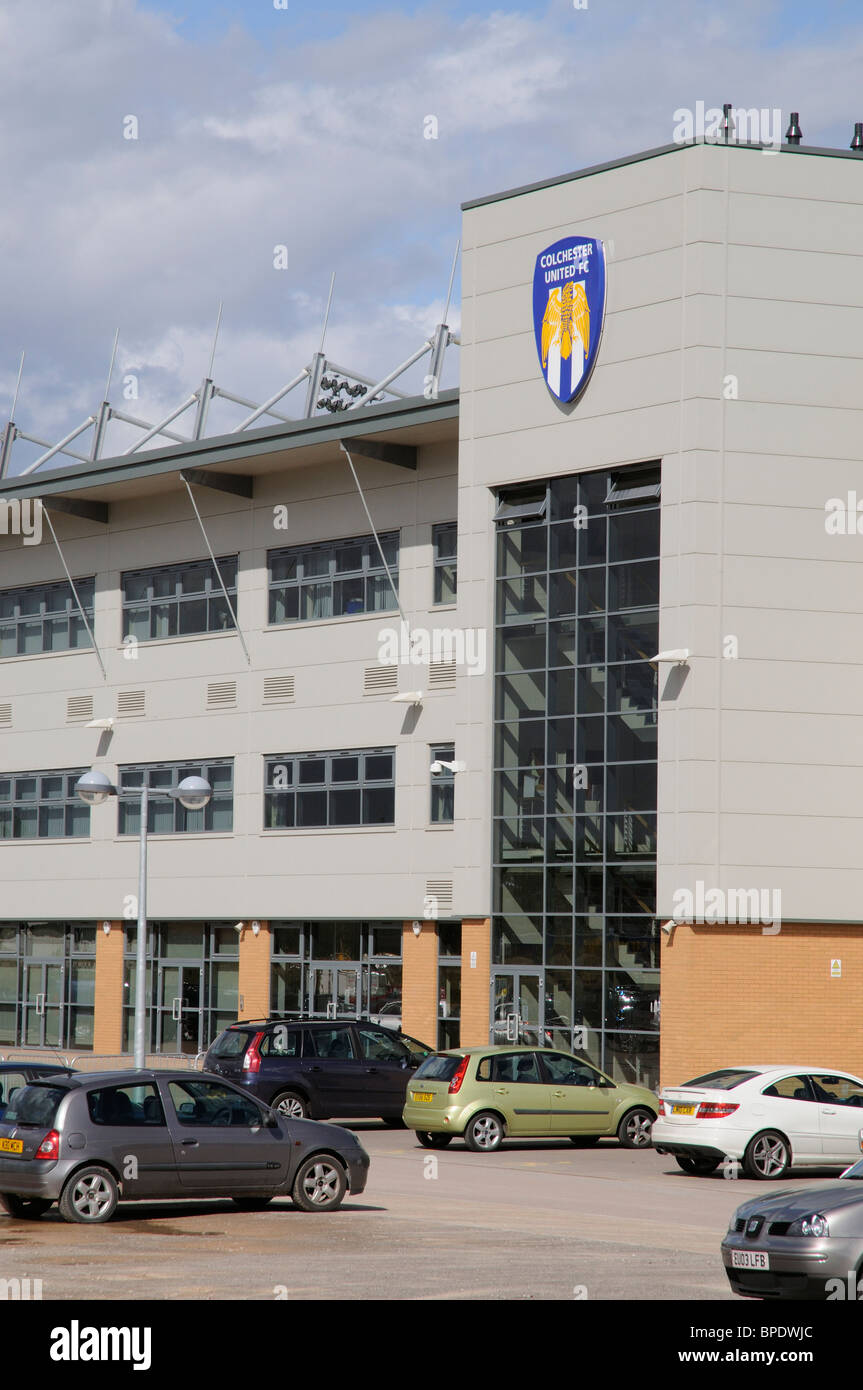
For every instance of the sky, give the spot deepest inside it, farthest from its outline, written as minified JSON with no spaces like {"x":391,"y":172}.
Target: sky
{"x":265,"y":124}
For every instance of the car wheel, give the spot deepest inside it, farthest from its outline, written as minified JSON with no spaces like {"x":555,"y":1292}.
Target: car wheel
{"x":251,"y":1203}
{"x":433,"y":1141}
{"x":584,"y":1141}
{"x":767,"y":1156}
{"x":90,"y":1196}
{"x":291,"y":1104}
{"x":484,"y":1132}
{"x":24,"y":1208}
{"x":696,"y":1163}
{"x":393,"y":1121}
{"x":635,"y":1127}
{"x":320,"y":1184}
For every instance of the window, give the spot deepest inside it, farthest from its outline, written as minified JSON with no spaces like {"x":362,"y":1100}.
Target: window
{"x":516,"y":1068}
{"x":42,"y":806}
{"x":165,"y":815}
{"x":442,"y":785}
{"x":126,"y":1105}
{"x":191,"y":987}
{"x":47,"y":984}
{"x":366,"y":983}
{"x":178,"y":600}
{"x":789,"y":1088}
{"x":282,"y":1042}
{"x":328,"y":790}
{"x":381,"y":1047}
{"x":566,"y":1071}
{"x":836,"y":1090}
{"x":45,"y":618}
{"x":10,"y":1082}
{"x":329,"y":1042}
{"x":210,"y":1103}
{"x":334,"y":579}
{"x":445,"y":543}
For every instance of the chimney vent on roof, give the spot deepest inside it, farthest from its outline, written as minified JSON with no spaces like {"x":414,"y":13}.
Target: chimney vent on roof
{"x":857,"y":142}
{"x":794,"y":134}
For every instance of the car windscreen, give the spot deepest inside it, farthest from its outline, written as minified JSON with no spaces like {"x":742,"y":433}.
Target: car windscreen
{"x":231,"y":1043}
{"x":34,"y":1105}
{"x":721,"y":1080}
{"x":439,"y":1068}
{"x":855,"y":1171}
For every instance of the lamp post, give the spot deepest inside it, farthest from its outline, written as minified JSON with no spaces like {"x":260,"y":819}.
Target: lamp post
{"x":194,"y":793}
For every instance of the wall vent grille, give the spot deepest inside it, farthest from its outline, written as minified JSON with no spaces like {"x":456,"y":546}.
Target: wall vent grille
{"x":380,"y":680}
{"x":131,"y":703}
{"x":221,"y":695}
{"x":278,"y":690}
{"x":79,"y":707}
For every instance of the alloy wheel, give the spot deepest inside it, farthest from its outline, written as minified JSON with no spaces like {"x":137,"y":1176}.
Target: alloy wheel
{"x":91,"y":1196}
{"x":321,"y":1184}
{"x":769,"y":1156}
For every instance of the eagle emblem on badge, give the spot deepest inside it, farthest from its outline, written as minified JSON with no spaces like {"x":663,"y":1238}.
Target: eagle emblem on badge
{"x":568,"y":307}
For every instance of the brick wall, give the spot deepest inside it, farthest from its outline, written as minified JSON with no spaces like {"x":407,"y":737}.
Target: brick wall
{"x":475,"y":981}
{"x":731,"y":994}
{"x":108,"y":1010}
{"x":419,"y":982}
{"x":254,"y":974}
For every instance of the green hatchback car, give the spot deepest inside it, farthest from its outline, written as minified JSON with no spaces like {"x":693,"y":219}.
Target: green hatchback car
{"x":488,"y":1094}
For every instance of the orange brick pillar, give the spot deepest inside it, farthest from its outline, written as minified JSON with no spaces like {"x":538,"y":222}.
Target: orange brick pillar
{"x":108,"y":995}
{"x":419,"y":982}
{"x":254,"y":987}
{"x":475,"y":981}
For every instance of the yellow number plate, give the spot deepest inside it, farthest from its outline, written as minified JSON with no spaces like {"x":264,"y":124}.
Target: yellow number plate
{"x":683,"y":1109}
{"x":421,"y":1095}
{"x":11,"y":1146}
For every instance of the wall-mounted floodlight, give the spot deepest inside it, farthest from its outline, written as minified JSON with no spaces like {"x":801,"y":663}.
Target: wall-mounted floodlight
{"x":239,"y":927}
{"x":99,"y":724}
{"x":407,"y":697}
{"x":438,"y":767}
{"x":678,"y":657}
{"x":668,"y":927}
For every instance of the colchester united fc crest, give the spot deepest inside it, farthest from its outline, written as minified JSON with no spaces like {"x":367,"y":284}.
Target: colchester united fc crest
{"x":568,"y":309}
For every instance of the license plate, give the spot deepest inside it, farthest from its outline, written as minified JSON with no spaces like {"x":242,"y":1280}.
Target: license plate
{"x":749,"y":1259}
{"x":11,"y":1146}
{"x":683,"y":1109}
{"x":422,"y":1095}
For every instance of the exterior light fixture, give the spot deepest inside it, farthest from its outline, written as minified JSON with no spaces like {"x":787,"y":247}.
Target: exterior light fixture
{"x":678,"y":657}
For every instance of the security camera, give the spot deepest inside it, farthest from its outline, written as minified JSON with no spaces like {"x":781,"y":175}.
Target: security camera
{"x":436,"y":768}
{"x":239,"y":926}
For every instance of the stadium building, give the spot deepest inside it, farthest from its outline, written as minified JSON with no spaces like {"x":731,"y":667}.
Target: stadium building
{"x":529,"y":710}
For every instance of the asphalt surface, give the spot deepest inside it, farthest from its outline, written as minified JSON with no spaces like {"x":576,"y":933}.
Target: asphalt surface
{"x":537,"y":1220}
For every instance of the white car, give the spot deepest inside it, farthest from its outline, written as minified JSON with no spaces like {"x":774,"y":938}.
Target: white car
{"x":769,"y":1118}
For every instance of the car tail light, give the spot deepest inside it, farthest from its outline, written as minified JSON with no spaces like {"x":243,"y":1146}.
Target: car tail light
{"x":50,"y":1146}
{"x":661,"y":1106}
{"x":714,"y":1110}
{"x":252,"y":1059}
{"x":455,"y":1084}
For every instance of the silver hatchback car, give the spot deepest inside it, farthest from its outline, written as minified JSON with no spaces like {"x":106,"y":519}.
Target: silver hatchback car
{"x":90,"y":1140}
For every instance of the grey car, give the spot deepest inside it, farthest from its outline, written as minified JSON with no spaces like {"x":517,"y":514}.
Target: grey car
{"x":91,"y":1140}
{"x":806,"y":1243}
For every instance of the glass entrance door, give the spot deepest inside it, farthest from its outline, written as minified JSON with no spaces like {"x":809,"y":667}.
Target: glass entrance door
{"x":517,"y":1007}
{"x":42,"y":1004}
{"x":178,"y":1022}
{"x":334,"y":991}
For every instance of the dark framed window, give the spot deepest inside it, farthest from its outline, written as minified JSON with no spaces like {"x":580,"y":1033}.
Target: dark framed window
{"x":47,"y":984}
{"x":333,"y":579}
{"x":42,"y":806}
{"x":445,"y":544}
{"x":45,"y":618}
{"x":329,"y":790}
{"x":192,"y":984}
{"x":442,"y":785}
{"x":166,"y":816}
{"x":178,"y":600}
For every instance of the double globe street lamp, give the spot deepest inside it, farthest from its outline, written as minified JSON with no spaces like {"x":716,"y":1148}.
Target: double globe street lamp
{"x":194,"y":794}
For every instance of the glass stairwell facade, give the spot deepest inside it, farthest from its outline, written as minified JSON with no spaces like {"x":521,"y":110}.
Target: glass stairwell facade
{"x":575,"y":949}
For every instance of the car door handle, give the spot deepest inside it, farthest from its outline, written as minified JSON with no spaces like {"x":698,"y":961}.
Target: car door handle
{"x":828,"y":1110}
{"x":501,"y":1090}
{"x":192,"y":1143}
{"x":559,"y":1095}
{"x":371,"y":1071}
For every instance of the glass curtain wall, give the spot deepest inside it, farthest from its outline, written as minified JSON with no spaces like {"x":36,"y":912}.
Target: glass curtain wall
{"x":575,"y":948}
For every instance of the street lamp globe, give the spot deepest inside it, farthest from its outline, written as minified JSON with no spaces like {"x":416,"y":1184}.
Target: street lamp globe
{"x":94,"y":788}
{"x":194,"y":793}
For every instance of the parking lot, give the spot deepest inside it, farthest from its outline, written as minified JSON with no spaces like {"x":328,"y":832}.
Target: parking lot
{"x":537,"y":1220}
